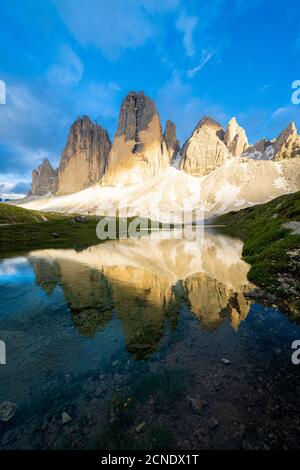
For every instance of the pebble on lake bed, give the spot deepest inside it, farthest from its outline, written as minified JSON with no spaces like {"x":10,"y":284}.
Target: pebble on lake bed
{"x":140,"y":427}
{"x":7,"y":410}
{"x":65,"y":418}
{"x":226,"y":361}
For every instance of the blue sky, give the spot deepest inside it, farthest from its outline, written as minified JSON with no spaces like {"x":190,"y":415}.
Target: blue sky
{"x":63,"y":58}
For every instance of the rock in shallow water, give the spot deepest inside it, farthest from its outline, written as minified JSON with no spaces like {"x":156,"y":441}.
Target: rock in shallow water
{"x":65,"y":418}
{"x":7,"y":410}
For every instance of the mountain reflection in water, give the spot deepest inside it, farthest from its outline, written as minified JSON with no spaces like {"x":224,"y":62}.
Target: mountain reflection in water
{"x":144,"y":281}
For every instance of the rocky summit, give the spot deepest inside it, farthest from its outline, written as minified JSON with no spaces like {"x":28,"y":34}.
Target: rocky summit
{"x":85,"y":156}
{"x":205,"y":150}
{"x":138,"y":150}
{"x":216,"y":171}
{"x":287,"y":144}
{"x":44,"y":179}
{"x":235,"y":138}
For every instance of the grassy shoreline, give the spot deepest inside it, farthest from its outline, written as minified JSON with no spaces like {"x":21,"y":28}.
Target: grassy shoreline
{"x":23,"y":230}
{"x":271,"y":247}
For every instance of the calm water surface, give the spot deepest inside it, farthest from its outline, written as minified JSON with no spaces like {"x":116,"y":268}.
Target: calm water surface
{"x":147,"y":343}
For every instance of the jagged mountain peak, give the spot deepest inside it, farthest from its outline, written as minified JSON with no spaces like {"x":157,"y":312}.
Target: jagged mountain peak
{"x":205,"y":150}
{"x":235,"y":138}
{"x":44,"y":179}
{"x":209,"y":122}
{"x":84,"y":159}
{"x":138,"y":150}
{"x":287,"y":144}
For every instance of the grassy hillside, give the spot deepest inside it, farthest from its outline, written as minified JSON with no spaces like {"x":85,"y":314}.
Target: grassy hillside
{"x":270,"y":247}
{"x":26,"y":230}
{"x":15,"y":215}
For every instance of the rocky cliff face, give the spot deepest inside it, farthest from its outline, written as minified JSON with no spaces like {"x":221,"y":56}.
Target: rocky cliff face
{"x":205,"y":150}
{"x":170,"y":137}
{"x":84,"y":159}
{"x":235,"y":138}
{"x":44,"y":180}
{"x":287,"y":144}
{"x":138,"y":150}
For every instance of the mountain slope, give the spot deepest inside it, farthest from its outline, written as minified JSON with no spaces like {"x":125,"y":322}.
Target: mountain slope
{"x":271,"y":233}
{"x":237,"y":184}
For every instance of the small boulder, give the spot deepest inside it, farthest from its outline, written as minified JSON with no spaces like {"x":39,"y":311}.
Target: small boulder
{"x":7,"y":411}
{"x":65,"y":418}
{"x":197,"y":404}
{"x":213,"y":423}
{"x":79,"y":219}
{"x":140,"y":427}
{"x":226,"y":361}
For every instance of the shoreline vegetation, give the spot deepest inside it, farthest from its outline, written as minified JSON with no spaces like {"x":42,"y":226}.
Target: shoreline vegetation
{"x":271,"y":236}
{"x":23,"y":230}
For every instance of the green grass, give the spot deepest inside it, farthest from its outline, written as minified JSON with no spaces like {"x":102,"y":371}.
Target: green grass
{"x":270,"y":248}
{"x":17,"y":215}
{"x":28,"y":230}
{"x":24,"y":230}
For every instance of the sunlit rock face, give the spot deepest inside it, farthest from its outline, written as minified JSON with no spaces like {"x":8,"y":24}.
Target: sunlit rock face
{"x":145,"y":281}
{"x":205,"y":150}
{"x":287,"y":145}
{"x":138,"y":150}
{"x":235,"y":138}
{"x":44,"y":180}
{"x":84,"y":159}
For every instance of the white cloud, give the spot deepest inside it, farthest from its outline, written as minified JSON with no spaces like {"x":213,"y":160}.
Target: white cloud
{"x":279,"y":112}
{"x":68,"y":70}
{"x":186,"y":25}
{"x":35,"y":122}
{"x":113,"y":26}
{"x":13,"y":190}
{"x":206,"y":56}
{"x":27,"y":124}
{"x":284,"y":115}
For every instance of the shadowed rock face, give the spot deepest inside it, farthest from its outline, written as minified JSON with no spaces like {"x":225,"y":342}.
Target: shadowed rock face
{"x":262,"y":145}
{"x":205,"y":150}
{"x":84,"y":159}
{"x":137,"y":111}
{"x":173,"y":145}
{"x":138,"y":150}
{"x":44,"y":180}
